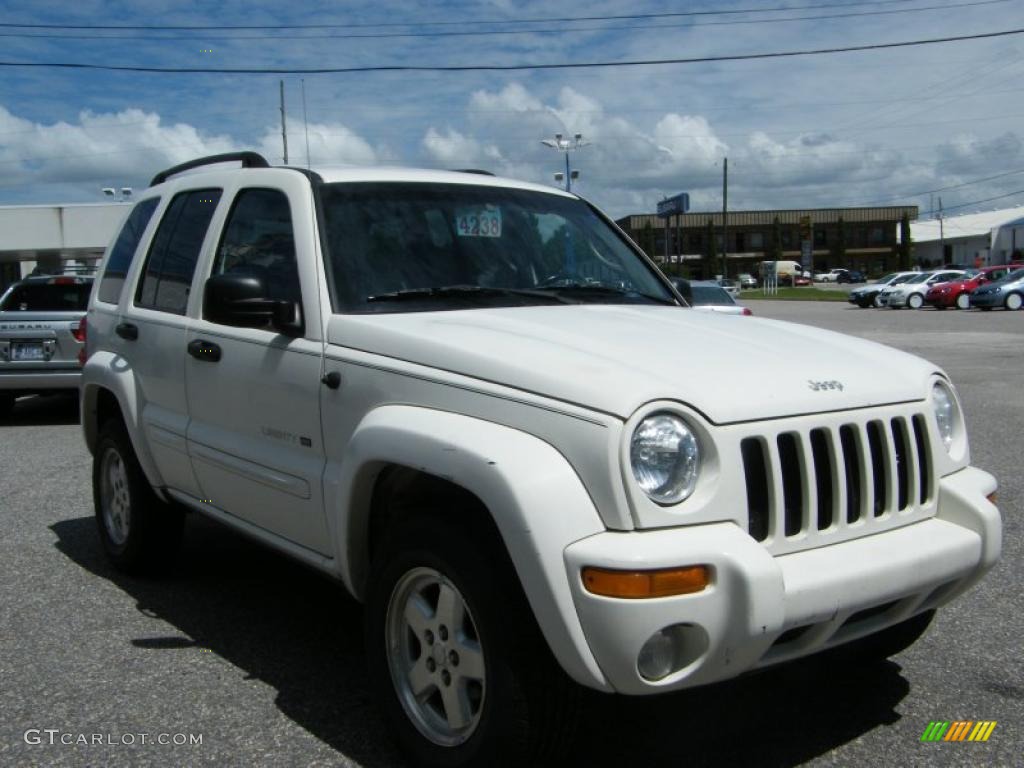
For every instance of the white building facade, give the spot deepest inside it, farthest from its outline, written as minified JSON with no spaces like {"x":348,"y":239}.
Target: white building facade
{"x":970,"y":240}
{"x":46,"y":237}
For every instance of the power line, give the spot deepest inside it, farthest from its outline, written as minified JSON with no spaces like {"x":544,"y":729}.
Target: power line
{"x":548,"y":20}
{"x":501,"y":32}
{"x":942,"y":189}
{"x":507,"y":67}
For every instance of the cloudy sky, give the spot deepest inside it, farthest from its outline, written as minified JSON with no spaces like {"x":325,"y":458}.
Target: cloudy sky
{"x":876,"y":127}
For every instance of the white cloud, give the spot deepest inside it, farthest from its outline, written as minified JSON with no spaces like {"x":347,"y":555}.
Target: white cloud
{"x":112,"y":148}
{"x":329,"y":144}
{"x":451,"y":148}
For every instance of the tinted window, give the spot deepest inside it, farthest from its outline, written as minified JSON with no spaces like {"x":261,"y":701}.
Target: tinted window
{"x":123,"y":252}
{"x":394,"y":237}
{"x":709,"y":294}
{"x":47,"y":297}
{"x":258,"y":240}
{"x":172,"y":257}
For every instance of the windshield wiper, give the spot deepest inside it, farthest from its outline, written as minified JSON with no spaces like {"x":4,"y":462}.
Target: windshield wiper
{"x":607,"y":289}
{"x":447,"y":291}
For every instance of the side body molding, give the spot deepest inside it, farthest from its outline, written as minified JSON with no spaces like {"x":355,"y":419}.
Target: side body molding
{"x":535,"y":497}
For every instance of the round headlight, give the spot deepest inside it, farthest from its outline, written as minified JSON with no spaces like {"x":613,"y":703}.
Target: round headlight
{"x":945,"y":412}
{"x":665,"y":457}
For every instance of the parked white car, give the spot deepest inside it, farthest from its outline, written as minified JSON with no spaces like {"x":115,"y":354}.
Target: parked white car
{"x":911,"y":292}
{"x":829,"y":277}
{"x":482,"y":409}
{"x":867,"y":295}
{"x":709,"y":296}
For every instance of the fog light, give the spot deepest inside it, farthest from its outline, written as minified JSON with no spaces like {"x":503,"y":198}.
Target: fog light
{"x":657,"y":657}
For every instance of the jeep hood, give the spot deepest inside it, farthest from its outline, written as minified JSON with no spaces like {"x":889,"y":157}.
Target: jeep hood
{"x":615,"y":358}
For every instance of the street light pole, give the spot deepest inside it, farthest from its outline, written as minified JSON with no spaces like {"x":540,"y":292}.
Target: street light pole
{"x":563,"y":144}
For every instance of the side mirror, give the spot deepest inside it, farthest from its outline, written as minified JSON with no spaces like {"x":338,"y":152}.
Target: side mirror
{"x":241,"y":301}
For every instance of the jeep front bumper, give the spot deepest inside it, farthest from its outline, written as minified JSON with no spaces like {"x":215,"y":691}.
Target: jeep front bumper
{"x":759,"y":609}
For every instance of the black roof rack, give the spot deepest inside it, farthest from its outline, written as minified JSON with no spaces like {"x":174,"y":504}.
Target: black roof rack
{"x":248,"y":160}
{"x":473,"y":170}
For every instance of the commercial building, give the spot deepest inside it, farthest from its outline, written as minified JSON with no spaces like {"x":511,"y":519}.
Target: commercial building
{"x":46,"y":237}
{"x":972,"y":239}
{"x":851,"y":238}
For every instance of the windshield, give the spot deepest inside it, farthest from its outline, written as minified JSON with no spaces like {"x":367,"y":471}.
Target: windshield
{"x":47,"y":297}
{"x":400,"y":247}
{"x":709,"y":294}
{"x":1017,"y":274}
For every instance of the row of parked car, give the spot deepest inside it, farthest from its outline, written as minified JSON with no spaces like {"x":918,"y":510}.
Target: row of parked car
{"x":985,"y":288}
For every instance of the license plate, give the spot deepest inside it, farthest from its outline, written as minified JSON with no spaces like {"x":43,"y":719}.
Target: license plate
{"x":27,"y":352}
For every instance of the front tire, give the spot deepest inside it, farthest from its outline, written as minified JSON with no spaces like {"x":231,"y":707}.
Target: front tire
{"x":6,"y":405}
{"x":456,"y":660}
{"x":1013,"y":301}
{"x":139,"y":533}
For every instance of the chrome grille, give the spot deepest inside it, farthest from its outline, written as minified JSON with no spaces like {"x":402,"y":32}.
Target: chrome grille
{"x":808,"y":482}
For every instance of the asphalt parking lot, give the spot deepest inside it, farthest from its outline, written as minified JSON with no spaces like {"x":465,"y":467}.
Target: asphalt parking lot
{"x":262,"y":658}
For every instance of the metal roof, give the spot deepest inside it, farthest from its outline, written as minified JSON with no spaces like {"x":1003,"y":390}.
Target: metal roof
{"x":767,"y":218}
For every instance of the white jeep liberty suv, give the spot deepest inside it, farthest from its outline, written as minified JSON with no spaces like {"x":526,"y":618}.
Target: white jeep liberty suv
{"x":481,"y":408}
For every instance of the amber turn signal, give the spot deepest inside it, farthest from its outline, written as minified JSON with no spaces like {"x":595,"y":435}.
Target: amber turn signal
{"x":636,"y":585}
{"x":992,"y":498}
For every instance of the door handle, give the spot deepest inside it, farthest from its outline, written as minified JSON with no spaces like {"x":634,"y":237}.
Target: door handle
{"x":201,"y":349}
{"x":127,"y":331}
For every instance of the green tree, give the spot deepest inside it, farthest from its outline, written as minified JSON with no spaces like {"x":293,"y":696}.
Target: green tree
{"x":775,"y":247}
{"x":906,"y":246}
{"x":839,"y":247}
{"x":710,"y":251}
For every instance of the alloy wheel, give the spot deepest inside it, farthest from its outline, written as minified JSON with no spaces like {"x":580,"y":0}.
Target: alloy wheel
{"x":435,"y":657}
{"x":115,"y":499}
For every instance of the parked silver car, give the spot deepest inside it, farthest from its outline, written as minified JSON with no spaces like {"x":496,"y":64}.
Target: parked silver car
{"x":1007,"y":293}
{"x":42,"y":331}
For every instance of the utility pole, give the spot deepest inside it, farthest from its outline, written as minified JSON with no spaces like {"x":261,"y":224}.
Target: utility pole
{"x":305,"y":120}
{"x":284,"y":131}
{"x":725,"y":214}
{"x":942,"y":234}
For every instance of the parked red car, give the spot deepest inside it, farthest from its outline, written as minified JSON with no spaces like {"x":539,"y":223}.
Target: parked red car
{"x":956,"y":293}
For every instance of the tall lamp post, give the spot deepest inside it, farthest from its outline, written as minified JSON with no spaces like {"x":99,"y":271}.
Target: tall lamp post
{"x":566,"y":145}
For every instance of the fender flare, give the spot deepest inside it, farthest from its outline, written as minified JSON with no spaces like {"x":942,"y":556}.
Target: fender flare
{"x":536,"y":499}
{"x":107,"y":371}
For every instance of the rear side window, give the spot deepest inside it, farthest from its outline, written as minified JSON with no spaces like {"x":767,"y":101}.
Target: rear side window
{"x":171,"y":261}
{"x":55,"y":296}
{"x":123,"y":252}
{"x":258,"y":240}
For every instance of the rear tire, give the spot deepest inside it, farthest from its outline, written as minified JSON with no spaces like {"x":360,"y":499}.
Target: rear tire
{"x":915,"y":301}
{"x":963,"y":301}
{"x":1013,"y":301}
{"x":140,"y":533}
{"x":6,"y":405}
{"x":501,"y":699}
